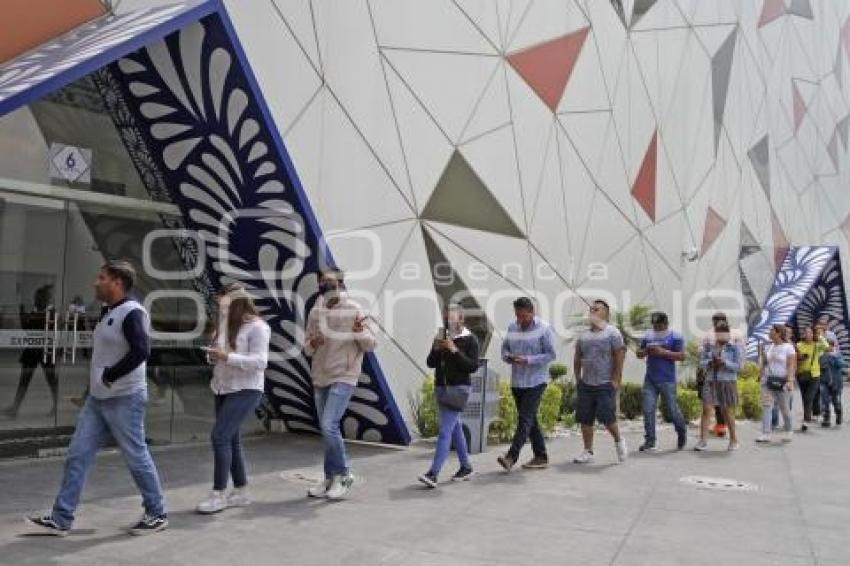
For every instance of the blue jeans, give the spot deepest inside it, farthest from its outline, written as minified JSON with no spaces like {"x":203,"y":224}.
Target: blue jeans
{"x":230,"y":410}
{"x":451,"y":429}
{"x":331,"y":404}
{"x":830,"y":395}
{"x":774,"y":413}
{"x":650,"y":406}
{"x":122,"y":418}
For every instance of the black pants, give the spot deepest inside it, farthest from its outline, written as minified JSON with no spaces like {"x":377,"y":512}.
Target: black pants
{"x":808,"y":386}
{"x":528,"y":403}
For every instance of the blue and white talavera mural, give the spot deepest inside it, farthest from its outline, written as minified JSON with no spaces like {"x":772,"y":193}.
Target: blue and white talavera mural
{"x":179,"y":89}
{"x":216,"y":149}
{"x":806,"y":287}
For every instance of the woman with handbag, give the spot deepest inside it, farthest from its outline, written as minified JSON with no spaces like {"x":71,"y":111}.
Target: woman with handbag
{"x":778,"y":367}
{"x":454,"y":356}
{"x":722,"y":362}
{"x":240,"y":352}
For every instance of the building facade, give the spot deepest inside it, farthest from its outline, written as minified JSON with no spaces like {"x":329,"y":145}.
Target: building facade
{"x":663,"y":153}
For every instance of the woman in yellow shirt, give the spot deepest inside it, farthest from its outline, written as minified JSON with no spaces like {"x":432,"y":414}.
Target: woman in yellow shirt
{"x":809,"y":350}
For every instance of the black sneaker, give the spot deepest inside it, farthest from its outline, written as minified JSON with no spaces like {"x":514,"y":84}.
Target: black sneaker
{"x":463,"y":474}
{"x":47,"y":526}
{"x":804,"y":428}
{"x":648,"y":447}
{"x":681,"y":441}
{"x":429,"y":479}
{"x":149,"y":524}
{"x":825,"y":424}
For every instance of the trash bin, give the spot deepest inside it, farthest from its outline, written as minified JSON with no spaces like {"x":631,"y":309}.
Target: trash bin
{"x":481,"y":409}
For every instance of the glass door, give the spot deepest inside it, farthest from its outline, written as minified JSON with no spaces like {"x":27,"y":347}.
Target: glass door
{"x":32,"y":234}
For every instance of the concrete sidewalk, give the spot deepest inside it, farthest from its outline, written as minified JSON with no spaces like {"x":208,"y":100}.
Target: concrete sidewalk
{"x":638,"y":513}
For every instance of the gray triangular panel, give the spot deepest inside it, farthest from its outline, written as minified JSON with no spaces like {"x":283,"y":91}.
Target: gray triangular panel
{"x":802,"y":8}
{"x":721,"y":68}
{"x":759,"y":156}
{"x":640,"y":9}
{"x":749,"y":245}
{"x":450,"y":288}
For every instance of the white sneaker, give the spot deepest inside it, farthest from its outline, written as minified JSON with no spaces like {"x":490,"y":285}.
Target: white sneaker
{"x":238,"y":498}
{"x":319,"y":490}
{"x":214,"y":503}
{"x":701,"y":446}
{"x":733,"y":446}
{"x":622,"y":450}
{"x":340,"y":486}
{"x":787,"y":437}
{"x":586,"y":457}
{"x":763,"y":438}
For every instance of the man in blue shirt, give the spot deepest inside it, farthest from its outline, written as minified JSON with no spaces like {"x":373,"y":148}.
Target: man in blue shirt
{"x":528,"y":347}
{"x":662,"y":348}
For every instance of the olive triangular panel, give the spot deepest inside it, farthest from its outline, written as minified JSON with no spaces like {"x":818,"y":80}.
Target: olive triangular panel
{"x":450,"y":288}
{"x":462,"y":199}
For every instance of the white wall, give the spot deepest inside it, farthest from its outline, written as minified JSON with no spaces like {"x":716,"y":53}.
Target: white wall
{"x":373,"y":98}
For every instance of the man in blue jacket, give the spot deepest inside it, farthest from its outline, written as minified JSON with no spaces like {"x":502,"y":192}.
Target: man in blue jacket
{"x":661,"y":348}
{"x":528,"y":347}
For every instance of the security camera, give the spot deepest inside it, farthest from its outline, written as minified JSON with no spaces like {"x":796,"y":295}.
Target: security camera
{"x":691,"y":254}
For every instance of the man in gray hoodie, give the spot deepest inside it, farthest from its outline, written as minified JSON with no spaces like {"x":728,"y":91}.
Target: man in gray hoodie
{"x":338,"y":336}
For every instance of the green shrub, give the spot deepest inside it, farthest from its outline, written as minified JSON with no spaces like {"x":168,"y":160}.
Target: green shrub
{"x":689,"y":403}
{"x":557,"y":371}
{"x":568,"y":401}
{"x":569,"y":420}
{"x":503,"y":426}
{"x":749,"y":399}
{"x":750,"y":372}
{"x":550,"y":407}
{"x":631,"y":400}
{"x":423,"y":407}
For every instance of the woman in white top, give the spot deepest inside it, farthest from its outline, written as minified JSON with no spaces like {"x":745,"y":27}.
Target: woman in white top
{"x":778,"y":368}
{"x":240,"y":352}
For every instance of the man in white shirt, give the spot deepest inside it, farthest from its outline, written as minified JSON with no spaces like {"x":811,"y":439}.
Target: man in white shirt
{"x":338,"y":336}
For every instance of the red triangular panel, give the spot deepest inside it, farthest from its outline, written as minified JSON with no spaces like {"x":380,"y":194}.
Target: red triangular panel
{"x":547,"y":67}
{"x":714,"y":224}
{"x":780,"y":241}
{"x":799,"y":107}
{"x":643,"y":190}
{"x":771,"y":9}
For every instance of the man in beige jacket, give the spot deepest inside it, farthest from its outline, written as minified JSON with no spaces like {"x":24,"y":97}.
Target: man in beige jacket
{"x":338,"y":336}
